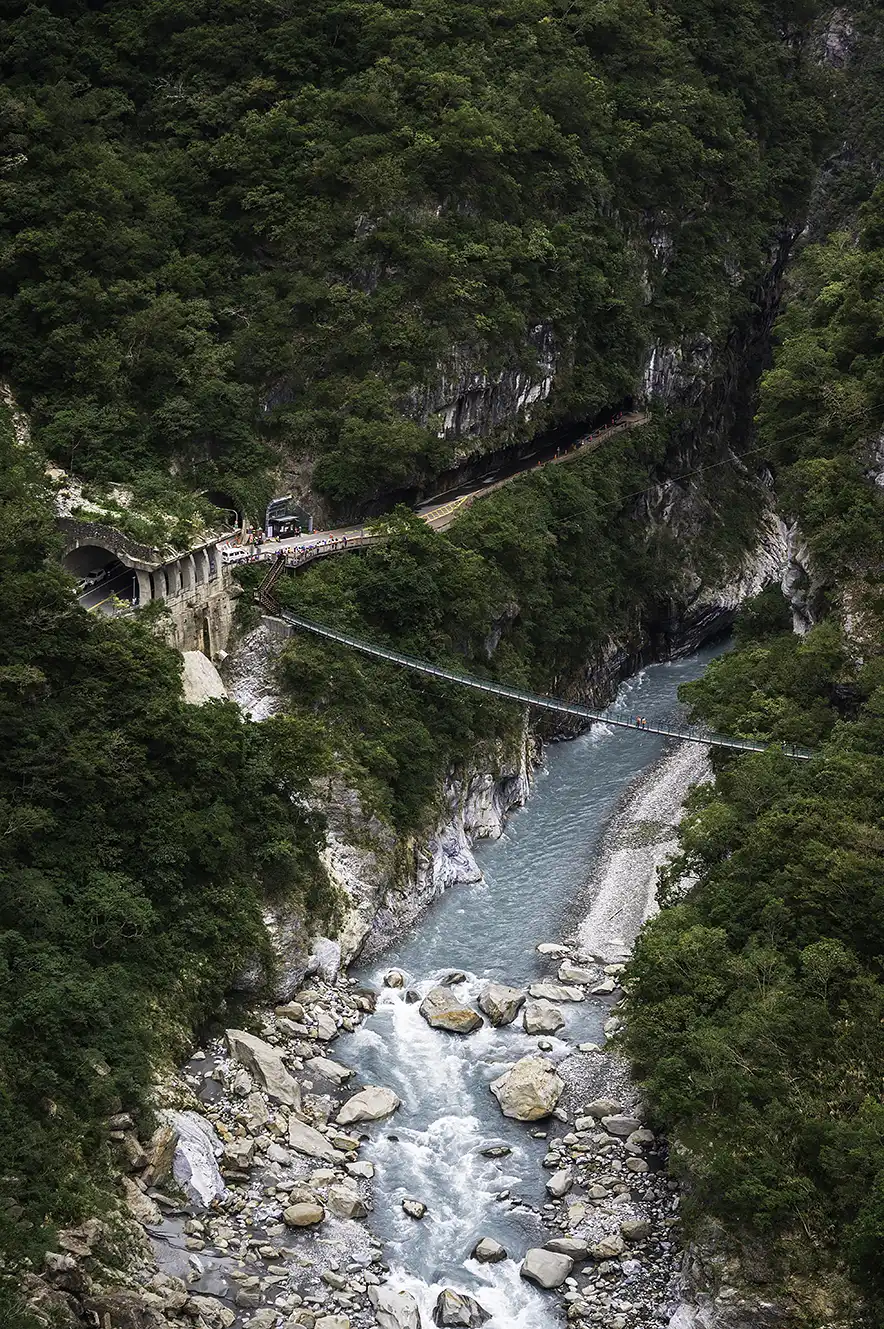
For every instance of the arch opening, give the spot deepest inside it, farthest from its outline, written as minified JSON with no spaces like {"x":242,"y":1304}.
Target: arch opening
{"x":101,"y":577}
{"x":227,"y":504}
{"x":206,"y":639}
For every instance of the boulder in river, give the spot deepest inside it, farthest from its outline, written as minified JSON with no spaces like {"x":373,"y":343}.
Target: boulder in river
{"x":555,"y":992}
{"x":546,"y":1268}
{"x":372,"y":1103}
{"x":501,"y":1003}
{"x":441,"y":1009}
{"x":560,"y":1183}
{"x":456,"y":1308}
{"x":266,"y":1063}
{"x":394,"y":1310}
{"x":542,"y":1017}
{"x":573,"y":973}
{"x":530,"y":1090}
{"x":488,"y":1251}
{"x":414,"y":1208}
{"x":329,"y":1070}
{"x":394,"y":978}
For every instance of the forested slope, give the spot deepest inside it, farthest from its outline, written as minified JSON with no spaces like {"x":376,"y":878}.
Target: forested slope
{"x":237,"y":233}
{"x":757,"y":1002}
{"x":139,"y":839}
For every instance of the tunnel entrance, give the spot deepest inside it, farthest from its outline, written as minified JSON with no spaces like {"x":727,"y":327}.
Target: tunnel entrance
{"x":227,"y":504}
{"x":206,"y":646}
{"x":101,"y":577}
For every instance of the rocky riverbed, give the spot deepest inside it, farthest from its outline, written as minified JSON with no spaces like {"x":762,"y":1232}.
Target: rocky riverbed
{"x":271,"y":1190}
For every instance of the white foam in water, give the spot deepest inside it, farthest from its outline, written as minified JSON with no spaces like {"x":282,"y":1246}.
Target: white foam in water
{"x":431,"y":1149}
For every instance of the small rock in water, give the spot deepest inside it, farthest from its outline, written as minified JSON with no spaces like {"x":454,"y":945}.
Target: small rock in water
{"x":457,"y":1309}
{"x":371,"y":1104}
{"x":394,"y":978}
{"x":456,"y":976}
{"x":554,"y":948}
{"x":546,"y":1268}
{"x":414,"y":1208}
{"x":488,"y":1251}
{"x":602,"y":989}
{"x":496,"y":1151}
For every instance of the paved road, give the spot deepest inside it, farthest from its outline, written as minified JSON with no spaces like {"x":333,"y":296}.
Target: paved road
{"x":440,"y":511}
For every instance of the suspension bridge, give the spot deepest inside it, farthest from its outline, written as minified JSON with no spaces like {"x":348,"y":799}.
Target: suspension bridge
{"x":532,"y":699}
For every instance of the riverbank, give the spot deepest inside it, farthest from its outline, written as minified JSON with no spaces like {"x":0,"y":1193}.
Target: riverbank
{"x":258,"y":1184}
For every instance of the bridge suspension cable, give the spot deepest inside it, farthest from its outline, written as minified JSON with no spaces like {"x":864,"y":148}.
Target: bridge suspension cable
{"x":530,"y":698}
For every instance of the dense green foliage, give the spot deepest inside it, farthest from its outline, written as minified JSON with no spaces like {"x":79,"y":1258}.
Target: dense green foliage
{"x":530,"y":583}
{"x":823,"y":401}
{"x":756,"y":1016}
{"x":139,"y":837}
{"x":228,"y":229}
{"x":756,"y":1011}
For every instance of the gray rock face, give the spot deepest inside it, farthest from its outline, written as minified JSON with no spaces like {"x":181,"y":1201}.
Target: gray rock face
{"x":457,"y":1309}
{"x":530,"y":1090}
{"x":501,"y":1003}
{"x":194,"y":1165}
{"x":325,"y":959}
{"x":266,"y":1063}
{"x":542,"y":1017}
{"x":372,"y":1103}
{"x":546,"y":1268}
{"x":307,"y":1140}
{"x":442,"y":1010}
{"x":488,"y":1251}
{"x":394,"y":1310}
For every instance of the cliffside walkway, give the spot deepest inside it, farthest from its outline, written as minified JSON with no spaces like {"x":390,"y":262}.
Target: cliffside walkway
{"x":529,"y":698}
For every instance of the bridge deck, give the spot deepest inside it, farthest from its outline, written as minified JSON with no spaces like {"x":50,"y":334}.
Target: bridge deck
{"x":530,"y":698}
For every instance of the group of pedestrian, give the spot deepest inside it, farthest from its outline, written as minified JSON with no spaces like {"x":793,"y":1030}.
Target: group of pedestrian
{"x":641,"y":722}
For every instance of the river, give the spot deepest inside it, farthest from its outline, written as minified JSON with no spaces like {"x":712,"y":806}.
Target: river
{"x":559,"y":867}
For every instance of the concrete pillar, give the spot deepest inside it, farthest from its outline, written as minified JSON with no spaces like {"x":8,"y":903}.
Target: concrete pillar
{"x":201,"y":567}
{"x":145,"y":590}
{"x":188,"y":572}
{"x":159,"y":584}
{"x":173,"y":578}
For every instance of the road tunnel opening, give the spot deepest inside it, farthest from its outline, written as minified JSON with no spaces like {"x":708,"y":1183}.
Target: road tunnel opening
{"x":228,"y":505}
{"x":101,"y":578}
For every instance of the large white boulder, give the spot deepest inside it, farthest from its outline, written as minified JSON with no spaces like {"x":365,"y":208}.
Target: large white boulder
{"x":194,"y":1164}
{"x":543,"y":1017}
{"x":372,"y":1103}
{"x":546,"y":1268}
{"x":266,"y":1063}
{"x":394,"y":1310}
{"x":200,"y":680}
{"x":530,"y":1090}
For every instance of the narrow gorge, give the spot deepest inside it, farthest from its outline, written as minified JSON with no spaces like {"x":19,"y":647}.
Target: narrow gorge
{"x":339,"y":995}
